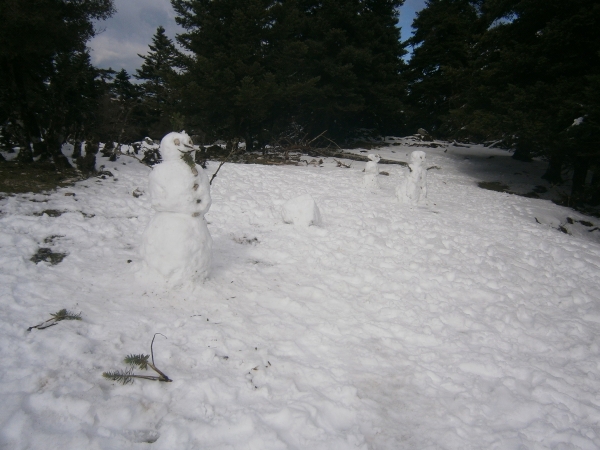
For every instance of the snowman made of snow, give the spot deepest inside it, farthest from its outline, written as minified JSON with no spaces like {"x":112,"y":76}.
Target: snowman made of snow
{"x":176,"y":245}
{"x":371,"y":172}
{"x":413,"y":188}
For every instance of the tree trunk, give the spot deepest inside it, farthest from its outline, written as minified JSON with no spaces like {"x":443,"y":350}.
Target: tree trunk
{"x":580,"y":169}
{"x":87,"y":164}
{"x":25,"y":153}
{"x":595,"y":188}
{"x":76,"y":149}
{"x":249,"y":142}
{"x":522,"y":153}
{"x":53,"y":147}
{"x":554,"y":172}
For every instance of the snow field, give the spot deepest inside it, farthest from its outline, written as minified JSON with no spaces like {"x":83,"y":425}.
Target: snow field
{"x":461,"y":325}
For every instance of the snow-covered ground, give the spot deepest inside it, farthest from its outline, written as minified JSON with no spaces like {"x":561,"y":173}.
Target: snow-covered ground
{"x":472,"y":323}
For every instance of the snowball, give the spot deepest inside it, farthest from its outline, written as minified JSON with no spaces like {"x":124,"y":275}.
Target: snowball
{"x":174,"y":144}
{"x":301,"y":211}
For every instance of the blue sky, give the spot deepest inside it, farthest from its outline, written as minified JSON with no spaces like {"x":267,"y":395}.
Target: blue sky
{"x":131,"y":29}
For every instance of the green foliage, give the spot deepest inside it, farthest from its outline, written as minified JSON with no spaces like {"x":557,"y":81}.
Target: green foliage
{"x":120,"y":376}
{"x":257,"y":65}
{"x":43,"y":64}
{"x":159,"y":76}
{"x":63,"y":314}
{"x":443,"y":50}
{"x":140,"y":361}
{"x":187,"y":158}
{"x":520,"y":71}
{"x":120,"y":114}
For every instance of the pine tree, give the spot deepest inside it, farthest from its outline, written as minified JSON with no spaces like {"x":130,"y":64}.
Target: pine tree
{"x":127,"y":97}
{"x":228,"y":88}
{"x":260,"y":65}
{"x":30,"y":63}
{"x":158,"y":73}
{"x":535,"y":65}
{"x":354,"y":49}
{"x":443,"y":43}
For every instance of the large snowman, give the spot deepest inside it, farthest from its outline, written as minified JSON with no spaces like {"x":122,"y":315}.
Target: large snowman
{"x":176,"y":244}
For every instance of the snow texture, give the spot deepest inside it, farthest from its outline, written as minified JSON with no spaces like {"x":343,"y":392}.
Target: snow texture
{"x":371,"y":172}
{"x":463,"y":325}
{"x":302,"y":211}
{"x":412,"y":189}
{"x":176,"y":246}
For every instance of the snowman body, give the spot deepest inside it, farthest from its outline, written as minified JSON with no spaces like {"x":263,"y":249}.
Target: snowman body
{"x":176,"y":244}
{"x":370,"y":180}
{"x":413,"y":189}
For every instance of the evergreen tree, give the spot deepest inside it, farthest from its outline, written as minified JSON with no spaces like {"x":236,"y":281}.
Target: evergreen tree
{"x":533,"y":75}
{"x":228,"y":88}
{"x":259,"y":65}
{"x":71,"y":101}
{"x":121,"y":117}
{"x":354,"y":49}
{"x":37,"y":37}
{"x":443,"y":42}
{"x":158,"y":73}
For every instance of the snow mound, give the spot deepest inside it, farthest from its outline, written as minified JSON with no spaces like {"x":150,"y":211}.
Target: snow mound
{"x":464,"y":325}
{"x":301,"y":211}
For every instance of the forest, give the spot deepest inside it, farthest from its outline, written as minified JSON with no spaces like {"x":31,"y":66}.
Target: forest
{"x":522,"y":75}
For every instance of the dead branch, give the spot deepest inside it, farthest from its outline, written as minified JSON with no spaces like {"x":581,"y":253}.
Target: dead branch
{"x":234,"y":149}
{"x":341,"y":164}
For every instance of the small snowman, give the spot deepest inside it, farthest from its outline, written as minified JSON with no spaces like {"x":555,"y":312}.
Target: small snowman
{"x":413,"y":189}
{"x":176,"y":245}
{"x":371,"y":172}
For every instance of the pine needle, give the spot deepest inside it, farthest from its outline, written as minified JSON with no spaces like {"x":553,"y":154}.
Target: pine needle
{"x":187,"y":158}
{"x":121,"y":376}
{"x":140,"y":361}
{"x":65,"y":314}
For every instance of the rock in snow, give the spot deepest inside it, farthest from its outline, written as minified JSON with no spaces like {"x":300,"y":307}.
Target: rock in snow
{"x":176,"y":245}
{"x":301,"y":211}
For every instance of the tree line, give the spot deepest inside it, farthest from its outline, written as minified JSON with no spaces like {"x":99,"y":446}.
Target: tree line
{"x":522,"y":74}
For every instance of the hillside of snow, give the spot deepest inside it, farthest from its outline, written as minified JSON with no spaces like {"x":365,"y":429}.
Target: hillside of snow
{"x":471,"y":323}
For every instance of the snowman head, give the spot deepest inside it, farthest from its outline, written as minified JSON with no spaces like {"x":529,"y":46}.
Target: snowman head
{"x":174,"y":144}
{"x":374,"y":157}
{"x":417,"y":158}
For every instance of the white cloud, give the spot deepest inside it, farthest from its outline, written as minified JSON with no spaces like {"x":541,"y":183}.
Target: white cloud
{"x":130,"y":31}
{"x":110,"y":51}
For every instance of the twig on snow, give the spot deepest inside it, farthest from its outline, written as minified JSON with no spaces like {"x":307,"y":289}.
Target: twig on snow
{"x":140,"y":361}
{"x":63,"y":314}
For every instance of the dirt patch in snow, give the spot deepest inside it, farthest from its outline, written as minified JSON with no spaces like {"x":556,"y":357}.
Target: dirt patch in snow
{"x":36,"y":177}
